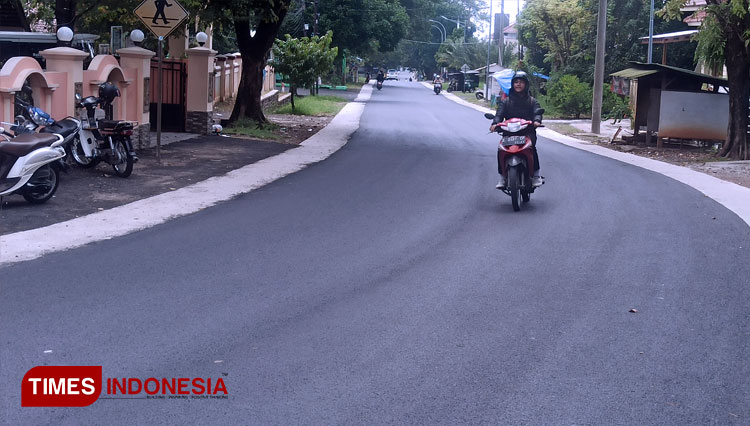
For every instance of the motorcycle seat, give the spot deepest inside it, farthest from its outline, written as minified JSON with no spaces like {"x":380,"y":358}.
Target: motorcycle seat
{"x":114,"y":124}
{"x":63,"y":127}
{"x":26,"y":143}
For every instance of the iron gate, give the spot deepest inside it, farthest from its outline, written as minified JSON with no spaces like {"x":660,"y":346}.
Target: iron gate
{"x":173,"y":94}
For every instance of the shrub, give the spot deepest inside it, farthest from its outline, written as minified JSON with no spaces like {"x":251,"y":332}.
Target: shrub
{"x":569,"y":95}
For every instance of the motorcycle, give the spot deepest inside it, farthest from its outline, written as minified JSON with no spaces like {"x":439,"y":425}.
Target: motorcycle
{"x":437,"y":87}
{"x":103,"y":139}
{"x":516,"y":158}
{"x":36,"y":120}
{"x":30,"y":165}
{"x":379,"y":85}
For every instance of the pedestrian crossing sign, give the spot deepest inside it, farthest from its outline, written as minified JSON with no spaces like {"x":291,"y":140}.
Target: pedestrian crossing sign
{"x":161,"y":16}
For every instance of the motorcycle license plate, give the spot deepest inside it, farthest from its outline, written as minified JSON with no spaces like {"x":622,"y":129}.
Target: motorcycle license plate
{"x":513,"y":140}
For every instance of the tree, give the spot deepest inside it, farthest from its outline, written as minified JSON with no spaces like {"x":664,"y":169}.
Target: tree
{"x":302,"y":60}
{"x":724,"y":38}
{"x":256,"y":24}
{"x":559,"y":27}
{"x":569,"y":95}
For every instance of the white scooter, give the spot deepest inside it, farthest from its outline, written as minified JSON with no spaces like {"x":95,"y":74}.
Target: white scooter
{"x":30,"y":165}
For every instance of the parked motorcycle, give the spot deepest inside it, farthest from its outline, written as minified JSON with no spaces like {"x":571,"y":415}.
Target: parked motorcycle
{"x":437,"y":87}
{"x":103,"y":139}
{"x":30,"y":165}
{"x":34,"y":119}
{"x":516,"y":158}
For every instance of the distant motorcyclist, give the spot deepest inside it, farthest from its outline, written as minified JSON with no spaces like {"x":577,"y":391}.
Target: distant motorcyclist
{"x":380,"y":77}
{"x":520,"y":104}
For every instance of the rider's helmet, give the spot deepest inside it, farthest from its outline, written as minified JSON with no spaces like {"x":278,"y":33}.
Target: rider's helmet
{"x":108,"y":92}
{"x":522,"y":76}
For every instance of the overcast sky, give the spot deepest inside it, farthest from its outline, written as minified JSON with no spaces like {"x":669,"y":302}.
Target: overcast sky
{"x":511,"y":8}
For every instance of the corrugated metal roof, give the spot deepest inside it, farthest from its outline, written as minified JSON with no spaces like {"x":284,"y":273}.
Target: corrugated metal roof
{"x":633,"y":73}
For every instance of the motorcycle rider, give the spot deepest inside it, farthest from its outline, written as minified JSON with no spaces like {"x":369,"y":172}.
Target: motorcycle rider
{"x":381,"y":76}
{"x":520,"y":104}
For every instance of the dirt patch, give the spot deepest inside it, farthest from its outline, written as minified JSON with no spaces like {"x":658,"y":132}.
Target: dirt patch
{"x":85,"y":191}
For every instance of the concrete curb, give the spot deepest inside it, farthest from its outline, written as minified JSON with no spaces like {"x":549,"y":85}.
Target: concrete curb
{"x":142,"y":214}
{"x":730,"y":195}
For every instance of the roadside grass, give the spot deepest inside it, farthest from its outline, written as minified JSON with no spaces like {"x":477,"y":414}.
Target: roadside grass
{"x":247,"y":127}
{"x":313,"y":105}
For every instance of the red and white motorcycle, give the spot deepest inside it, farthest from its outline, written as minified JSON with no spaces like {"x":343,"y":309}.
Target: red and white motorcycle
{"x":515,"y":155}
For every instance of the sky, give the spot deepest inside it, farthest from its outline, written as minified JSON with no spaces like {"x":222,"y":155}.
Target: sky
{"x":511,"y":8}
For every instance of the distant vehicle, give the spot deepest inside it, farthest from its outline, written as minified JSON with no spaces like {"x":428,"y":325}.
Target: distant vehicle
{"x":392,"y":74}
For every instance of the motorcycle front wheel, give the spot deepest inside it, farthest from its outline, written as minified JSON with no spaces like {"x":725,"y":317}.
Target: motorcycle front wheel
{"x":513,"y":187}
{"x":42,"y":185}
{"x":125,"y":167}
{"x":75,"y":151}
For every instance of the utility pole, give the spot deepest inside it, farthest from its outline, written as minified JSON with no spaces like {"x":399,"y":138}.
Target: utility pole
{"x":651,"y":33}
{"x":487,"y":70}
{"x":501,"y":48}
{"x":315,"y":22}
{"x":601,"y":30}
{"x":304,"y":19}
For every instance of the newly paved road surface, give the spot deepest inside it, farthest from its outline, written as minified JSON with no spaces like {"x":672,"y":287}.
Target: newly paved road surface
{"x":392,"y":284}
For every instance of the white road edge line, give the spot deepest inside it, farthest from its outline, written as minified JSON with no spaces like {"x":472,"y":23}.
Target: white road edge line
{"x":148,"y":212}
{"x":732,"y":196}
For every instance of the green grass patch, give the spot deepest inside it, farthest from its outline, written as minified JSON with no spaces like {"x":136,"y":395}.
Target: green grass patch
{"x":313,"y":105}
{"x":247,"y":127}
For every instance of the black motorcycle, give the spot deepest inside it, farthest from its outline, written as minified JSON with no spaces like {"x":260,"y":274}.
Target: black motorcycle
{"x":104,"y":139}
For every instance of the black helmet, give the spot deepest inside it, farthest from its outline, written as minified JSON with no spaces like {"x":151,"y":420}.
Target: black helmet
{"x":108,"y":92}
{"x":521,"y":75}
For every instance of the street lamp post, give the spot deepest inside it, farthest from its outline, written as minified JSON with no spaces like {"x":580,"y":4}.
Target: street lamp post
{"x":442,"y":37}
{"x":458,"y":24}
{"x":487,"y":70}
{"x":445,"y":32}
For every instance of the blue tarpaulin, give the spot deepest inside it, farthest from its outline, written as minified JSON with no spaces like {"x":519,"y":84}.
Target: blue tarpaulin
{"x":504,"y":78}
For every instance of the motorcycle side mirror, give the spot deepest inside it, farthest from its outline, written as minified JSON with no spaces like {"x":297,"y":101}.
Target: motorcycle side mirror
{"x":78,"y":97}
{"x":489,"y":116}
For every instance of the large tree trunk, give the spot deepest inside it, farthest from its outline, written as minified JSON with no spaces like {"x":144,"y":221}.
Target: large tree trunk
{"x":254,"y":50}
{"x":738,"y":73}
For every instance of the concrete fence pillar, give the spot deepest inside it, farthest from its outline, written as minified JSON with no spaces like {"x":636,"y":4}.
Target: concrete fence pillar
{"x":69,"y":61}
{"x":200,"y":90}
{"x":139,"y":59}
{"x":220,"y":95}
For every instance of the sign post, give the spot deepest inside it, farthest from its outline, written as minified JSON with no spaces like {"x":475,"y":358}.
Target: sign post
{"x":161,"y":17}
{"x":464,"y":69}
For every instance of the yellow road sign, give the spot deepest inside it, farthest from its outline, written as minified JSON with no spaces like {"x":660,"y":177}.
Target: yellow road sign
{"x":161,"y":16}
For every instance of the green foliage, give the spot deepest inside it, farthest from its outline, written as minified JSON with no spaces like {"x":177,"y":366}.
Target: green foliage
{"x":362,"y":26}
{"x":615,"y":107}
{"x":558,"y":27}
{"x":569,"y":95}
{"x":302,"y":60}
{"x":314,"y":105}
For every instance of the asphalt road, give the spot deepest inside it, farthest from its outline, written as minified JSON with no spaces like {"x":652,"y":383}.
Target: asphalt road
{"x":392,"y":284}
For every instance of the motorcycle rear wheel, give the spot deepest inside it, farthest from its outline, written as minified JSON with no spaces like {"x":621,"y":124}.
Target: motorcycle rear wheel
{"x":513,"y":188}
{"x":75,"y":151}
{"x":46,"y":176}
{"x":125,"y":167}
{"x":525,"y":196}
